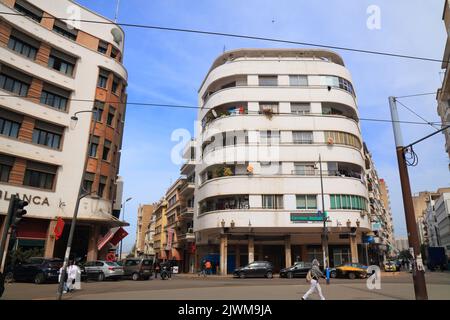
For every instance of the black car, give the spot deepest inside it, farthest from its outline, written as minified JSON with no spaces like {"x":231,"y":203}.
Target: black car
{"x":254,"y":270}
{"x":298,"y":270}
{"x":37,"y":270}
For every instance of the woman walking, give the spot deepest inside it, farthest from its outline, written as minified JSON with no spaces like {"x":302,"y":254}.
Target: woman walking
{"x":313,"y":277}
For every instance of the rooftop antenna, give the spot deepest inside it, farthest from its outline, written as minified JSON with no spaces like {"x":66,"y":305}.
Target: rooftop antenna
{"x":117,"y":11}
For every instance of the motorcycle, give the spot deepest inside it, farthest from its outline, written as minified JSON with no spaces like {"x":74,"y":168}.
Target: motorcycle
{"x":165,"y":272}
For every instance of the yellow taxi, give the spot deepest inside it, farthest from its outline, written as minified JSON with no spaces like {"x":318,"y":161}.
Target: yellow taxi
{"x":350,"y":270}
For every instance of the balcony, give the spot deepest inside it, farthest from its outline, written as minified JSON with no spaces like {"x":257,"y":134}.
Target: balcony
{"x":187,"y":187}
{"x":188,"y":236}
{"x":186,"y":212}
{"x":187,"y":167}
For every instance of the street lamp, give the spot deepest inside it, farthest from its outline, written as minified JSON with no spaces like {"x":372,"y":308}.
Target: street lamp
{"x":325,"y":230}
{"x":123,"y":206}
{"x":81,"y":194}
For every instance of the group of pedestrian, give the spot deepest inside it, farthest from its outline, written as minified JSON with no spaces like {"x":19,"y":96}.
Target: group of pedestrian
{"x":72,"y":278}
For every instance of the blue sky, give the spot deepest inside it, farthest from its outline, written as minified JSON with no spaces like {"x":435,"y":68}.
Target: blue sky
{"x":168,"y":67}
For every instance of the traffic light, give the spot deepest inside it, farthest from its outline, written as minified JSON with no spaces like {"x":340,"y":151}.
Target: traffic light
{"x":18,"y":211}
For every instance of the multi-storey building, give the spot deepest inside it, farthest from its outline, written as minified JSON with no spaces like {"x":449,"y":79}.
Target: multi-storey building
{"x":171,"y":244}
{"x":437,"y":222}
{"x":443,"y":94}
{"x":267,"y":116}
{"x":380,"y":214}
{"x":144,"y":217}
{"x":159,"y":237}
{"x":50,"y":72}
{"x":149,"y":250}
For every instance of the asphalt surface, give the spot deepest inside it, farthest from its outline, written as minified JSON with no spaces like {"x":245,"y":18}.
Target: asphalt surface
{"x":181,"y":287}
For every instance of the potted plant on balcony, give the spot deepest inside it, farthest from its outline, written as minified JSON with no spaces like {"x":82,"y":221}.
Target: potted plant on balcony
{"x":227,"y":171}
{"x":268,"y":113}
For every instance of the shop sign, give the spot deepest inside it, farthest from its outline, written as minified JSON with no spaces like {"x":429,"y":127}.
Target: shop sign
{"x":307,"y":216}
{"x":31,"y":199}
{"x":170,"y":233}
{"x":376,"y":226}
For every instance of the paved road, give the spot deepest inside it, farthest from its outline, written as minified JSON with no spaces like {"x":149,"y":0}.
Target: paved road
{"x":180,"y":287}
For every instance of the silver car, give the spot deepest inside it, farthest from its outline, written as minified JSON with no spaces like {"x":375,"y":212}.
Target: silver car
{"x":103,"y":270}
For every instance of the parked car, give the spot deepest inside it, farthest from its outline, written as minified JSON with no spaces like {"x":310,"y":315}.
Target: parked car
{"x":255,"y":269}
{"x":137,"y":268}
{"x":390,"y":266}
{"x":101,"y":270}
{"x":299,"y":269}
{"x":37,"y":270}
{"x":350,"y":270}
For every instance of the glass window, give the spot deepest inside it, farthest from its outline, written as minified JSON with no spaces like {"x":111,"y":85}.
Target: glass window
{"x":61,"y":65}
{"x":102,"y":81}
{"x":101,"y":186}
{"x":38,"y":179}
{"x":54,"y":100}
{"x":115,"y":85}
{"x":28,"y":10}
{"x":269,"y":137}
{"x":5,"y":170}
{"x":22,"y":47}
{"x":298,"y":80}
{"x":272,"y":201}
{"x":94,"y":147}
{"x":46,"y":138}
{"x":13,"y":85}
{"x":9,"y":128}
{"x":300,"y":108}
{"x":98,"y":107}
{"x":306,"y":201}
{"x":111,"y":114}
{"x":302,"y":137}
{"x":106,"y":149}
{"x":102,"y":47}
{"x":268,"y":80}
{"x":268,"y":106}
{"x":342,"y":138}
{"x":65,"y":30}
{"x":304,"y":168}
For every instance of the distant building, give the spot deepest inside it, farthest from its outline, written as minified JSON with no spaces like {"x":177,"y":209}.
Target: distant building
{"x":443,"y":94}
{"x":401,"y":243}
{"x":143,"y":223}
{"x":159,"y":236}
{"x":437,"y":221}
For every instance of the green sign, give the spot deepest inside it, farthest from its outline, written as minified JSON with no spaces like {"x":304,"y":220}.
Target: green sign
{"x":307,"y":216}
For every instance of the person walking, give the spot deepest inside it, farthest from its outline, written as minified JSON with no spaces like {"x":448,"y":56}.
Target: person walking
{"x":156,"y":267}
{"x":72,"y":271}
{"x":313,"y":276}
{"x":208,"y":267}
{"x":202,"y":269}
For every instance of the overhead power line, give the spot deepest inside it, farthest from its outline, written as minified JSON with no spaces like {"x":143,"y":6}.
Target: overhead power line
{"x":417,"y":95}
{"x":181,"y":106}
{"x":416,"y":114}
{"x":243,"y":36}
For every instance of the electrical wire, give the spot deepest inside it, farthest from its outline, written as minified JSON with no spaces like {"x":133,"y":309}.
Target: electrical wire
{"x":411,"y":157}
{"x":243,"y":36}
{"x":417,"y":95}
{"x":416,"y":114}
{"x":165,"y":105}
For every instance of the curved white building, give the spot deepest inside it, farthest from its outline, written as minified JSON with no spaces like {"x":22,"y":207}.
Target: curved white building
{"x":266,"y":117}
{"x":49,"y":71}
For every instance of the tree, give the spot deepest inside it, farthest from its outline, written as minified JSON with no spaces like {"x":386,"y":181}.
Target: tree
{"x":131,"y":254}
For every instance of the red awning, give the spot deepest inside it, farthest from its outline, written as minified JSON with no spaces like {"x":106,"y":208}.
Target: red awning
{"x":113,"y":236}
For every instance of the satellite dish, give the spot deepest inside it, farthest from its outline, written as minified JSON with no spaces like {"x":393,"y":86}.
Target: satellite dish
{"x":117,"y":35}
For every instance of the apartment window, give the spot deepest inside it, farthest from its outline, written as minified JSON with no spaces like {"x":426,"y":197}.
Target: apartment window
{"x":61,"y":62}
{"x":28,"y":10}
{"x":304,"y":168}
{"x":106,"y":149}
{"x":345,"y":201}
{"x":47,"y":134}
{"x":9,"y":128}
{"x":302,"y":137}
{"x":6,"y":164}
{"x":65,"y":30}
{"x":94,"y":146}
{"x":345,"y":138}
{"x":23,"y":44}
{"x":268,"y":106}
{"x":102,"y":47}
{"x":114,"y":52}
{"x":98,"y":107}
{"x":269,"y":137}
{"x":268,"y":80}
{"x":55,"y":97}
{"x":272,"y":201}
{"x":298,"y":80}
{"x":268,"y":168}
{"x":300,"y":108}
{"x":111,"y":114}
{"x":39,"y":175}
{"x":172,"y":201}
{"x":115,"y":85}
{"x":338,"y":82}
{"x":102,"y":79}
{"x":14,"y":81}
{"x":101,"y":186}
{"x":88,"y":182}
{"x":306,"y":201}
{"x":119,"y":120}
{"x":331,"y":111}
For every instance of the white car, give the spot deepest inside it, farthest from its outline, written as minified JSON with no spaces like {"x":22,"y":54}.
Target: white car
{"x":104,"y":269}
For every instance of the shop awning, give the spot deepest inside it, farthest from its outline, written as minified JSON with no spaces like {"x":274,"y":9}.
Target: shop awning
{"x":113,"y":236}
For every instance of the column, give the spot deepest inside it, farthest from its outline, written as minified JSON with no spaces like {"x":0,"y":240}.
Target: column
{"x":238,"y":256}
{"x":354,"y":248}
{"x":287,"y":251}
{"x":223,"y":254}
{"x":251,"y":249}
{"x":50,"y":240}
{"x":94,"y":233}
{"x":305,"y":253}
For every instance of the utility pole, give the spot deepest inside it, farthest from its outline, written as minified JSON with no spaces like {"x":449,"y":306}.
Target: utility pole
{"x":325,"y":230}
{"x":420,"y":288}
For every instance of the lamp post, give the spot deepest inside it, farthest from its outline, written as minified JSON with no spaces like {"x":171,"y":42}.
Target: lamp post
{"x":123,"y":216}
{"x":81,"y":194}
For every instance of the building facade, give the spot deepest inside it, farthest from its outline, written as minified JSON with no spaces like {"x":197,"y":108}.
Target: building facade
{"x":437,"y":221}
{"x":149,"y":250}
{"x":159,"y":237}
{"x":51,"y":71}
{"x":443,"y":94}
{"x":144,"y":216}
{"x":266,"y":118}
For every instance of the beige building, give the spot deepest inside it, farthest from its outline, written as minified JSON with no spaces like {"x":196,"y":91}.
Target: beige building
{"x":159,"y":237}
{"x":443,"y":94}
{"x":46,"y":68}
{"x":144,"y":217}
